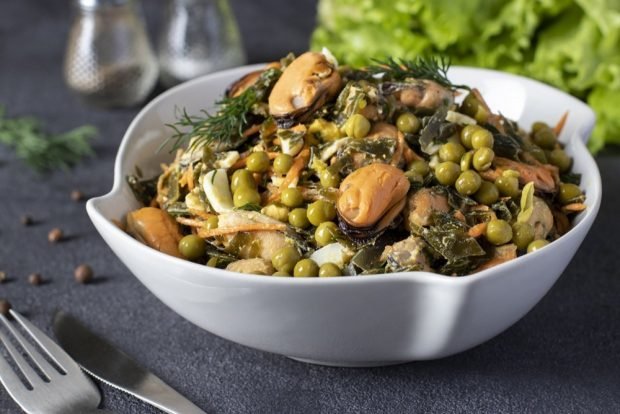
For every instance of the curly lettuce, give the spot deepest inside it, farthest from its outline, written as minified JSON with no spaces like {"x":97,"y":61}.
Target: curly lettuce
{"x":571,"y":44}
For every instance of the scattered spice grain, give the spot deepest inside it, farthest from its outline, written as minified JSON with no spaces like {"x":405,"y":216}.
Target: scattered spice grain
{"x":5,"y":307}
{"x":77,"y":195}
{"x":35,"y":279}
{"x":83,"y":274}
{"x":55,"y":235}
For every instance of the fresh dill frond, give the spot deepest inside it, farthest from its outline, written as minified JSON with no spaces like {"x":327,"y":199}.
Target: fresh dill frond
{"x":227,"y":124}
{"x":430,"y":68}
{"x":43,"y":151}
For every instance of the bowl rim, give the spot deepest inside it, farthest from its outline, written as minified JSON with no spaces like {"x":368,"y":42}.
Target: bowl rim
{"x":580,"y":137}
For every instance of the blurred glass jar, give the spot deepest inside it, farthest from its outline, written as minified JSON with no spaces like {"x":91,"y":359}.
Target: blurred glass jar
{"x":109,"y":61}
{"x":199,"y":36}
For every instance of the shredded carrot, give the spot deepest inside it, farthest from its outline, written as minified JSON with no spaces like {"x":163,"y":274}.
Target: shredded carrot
{"x":200,"y":213}
{"x":574,"y":208}
{"x":557,"y":129}
{"x":220,"y":231}
{"x":251,"y":130}
{"x":293,"y":174}
{"x":477,"y":230}
{"x":190,"y":222}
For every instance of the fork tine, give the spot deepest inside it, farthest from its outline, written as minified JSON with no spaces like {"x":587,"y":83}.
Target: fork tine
{"x":10,"y":380}
{"x":28,"y":372}
{"x":33,"y":353}
{"x":56,"y":353}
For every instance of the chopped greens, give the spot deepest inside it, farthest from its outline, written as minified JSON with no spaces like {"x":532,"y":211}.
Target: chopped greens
{"x":43,"y":151}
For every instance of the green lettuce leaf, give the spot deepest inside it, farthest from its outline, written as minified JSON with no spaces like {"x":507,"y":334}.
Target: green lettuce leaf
{"x":571,"y":44}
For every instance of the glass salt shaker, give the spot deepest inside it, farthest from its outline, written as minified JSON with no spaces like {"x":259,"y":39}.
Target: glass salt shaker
{"x":199,"y":36}
{"x":109,"y":61}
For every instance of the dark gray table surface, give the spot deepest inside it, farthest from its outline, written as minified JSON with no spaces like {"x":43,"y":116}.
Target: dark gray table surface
{"x":564,"y":356}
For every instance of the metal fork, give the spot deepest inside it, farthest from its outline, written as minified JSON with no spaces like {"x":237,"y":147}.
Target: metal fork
{"x":64,"y":391}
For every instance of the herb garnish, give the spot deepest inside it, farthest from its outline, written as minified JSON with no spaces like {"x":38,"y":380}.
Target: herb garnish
{"x":430,"y":68}
{"x":43,"y":151}
{"x":225,"y":126}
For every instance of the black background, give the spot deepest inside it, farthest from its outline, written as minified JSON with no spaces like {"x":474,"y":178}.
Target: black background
{"x":564,"y":356}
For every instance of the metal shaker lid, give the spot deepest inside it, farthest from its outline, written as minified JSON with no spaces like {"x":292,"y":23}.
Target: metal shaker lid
{"x":94,"y":4}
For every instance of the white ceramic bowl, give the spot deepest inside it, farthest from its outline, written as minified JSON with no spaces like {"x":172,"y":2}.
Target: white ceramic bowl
{"x":350,"y":321}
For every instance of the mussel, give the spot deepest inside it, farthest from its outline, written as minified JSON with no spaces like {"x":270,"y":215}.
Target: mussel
{"x":422,"y":95}
{"x":304,"y":86}
{"x":371,"y":199}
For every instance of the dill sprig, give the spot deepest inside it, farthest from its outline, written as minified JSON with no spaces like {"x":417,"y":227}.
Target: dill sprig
{"x":430,"y":68}
{"x":43,"y":151}
{"x":227,"y":124}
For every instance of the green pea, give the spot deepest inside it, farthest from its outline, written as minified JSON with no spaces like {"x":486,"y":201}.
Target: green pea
{"x":299,"y":218}
{"x":447,"y":172}
{"x":482,"y":138}
{"x":560,"y":159}
{"x":326,"y":233}
{"x":538,"y":154}
{"x":538,"y":125}
{"x":306,"y":268}
{"x":281,"y":274}
{"x":258,"y":162}
{"x":466,"y":134}
{"x":483,"y":157}
{"x":522,"y":235}
{"x":466,"y":160}
{"x":192,"y":247}
{"x":507,"y":186}
{"x":291,"y":197}
{"x":357,"y":126}
{"x":473,"y":108}
{"x":419,"y":167}
{"x":212,"y":223}
{"x":282,"y":163}
{"x":545,"y":138}
{"x":242,"y":178}
{"x":244,"y":196}
{"x":568,"y":193}
{"x":329,"y":178}
{"x":451,"y":151}
{"x":536,"y":245}
{"x":487,"y":194}
{"x":468,"y":183}
{"x":414,"y":177}
{"x":511,"y":173}
{"x":498,"y":232}
{"x":321,"y":211}
{"x":284,"y":259}
{"x":329,"y":270}
{"x":408,"y":123}
{"x":276,"y":211}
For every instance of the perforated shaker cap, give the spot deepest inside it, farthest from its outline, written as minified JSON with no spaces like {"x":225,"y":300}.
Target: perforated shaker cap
{"x":94,"y":4}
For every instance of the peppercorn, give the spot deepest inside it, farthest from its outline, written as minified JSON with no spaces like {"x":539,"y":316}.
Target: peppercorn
{"x":5,"y":307}
{"x":83,"y":274}
{"x":55,"y":235}
{"x":26,"y":220}
{"x":3,"y":277}
{"x":35,"y":279}
{"x":77,"y":195}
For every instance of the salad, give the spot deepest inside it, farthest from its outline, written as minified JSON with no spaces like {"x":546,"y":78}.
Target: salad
{"x":312,"y":169}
